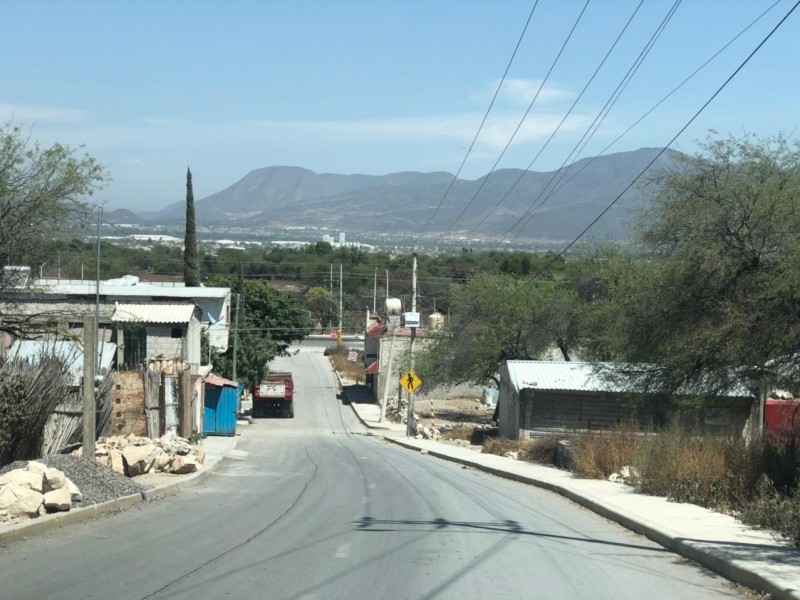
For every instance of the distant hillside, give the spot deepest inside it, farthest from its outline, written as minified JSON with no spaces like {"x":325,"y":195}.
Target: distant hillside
{"x":123,"y":215}
{"x":562,"y":202}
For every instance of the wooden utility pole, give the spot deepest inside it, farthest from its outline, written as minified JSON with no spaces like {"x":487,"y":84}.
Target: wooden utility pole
{"x":235,"y":337}
{"x":89,"y":362}
{"x":339,"y":336}
{"x":410,"y":416}
{"x":185,"y":395}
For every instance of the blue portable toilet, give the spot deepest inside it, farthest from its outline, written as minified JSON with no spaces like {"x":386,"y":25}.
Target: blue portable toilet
{"x":220,"y":406}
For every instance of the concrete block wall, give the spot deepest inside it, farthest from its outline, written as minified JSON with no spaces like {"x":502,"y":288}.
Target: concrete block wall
{"x":161,"y":343}
{"x":127,"y":404}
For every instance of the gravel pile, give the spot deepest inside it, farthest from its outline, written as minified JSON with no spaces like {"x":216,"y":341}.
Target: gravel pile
{"x":96,"y":482}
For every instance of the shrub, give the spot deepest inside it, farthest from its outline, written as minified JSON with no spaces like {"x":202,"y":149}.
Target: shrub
{"x":685,"y":466}
{"x":460,"y":432}
{"x":28,"y":396}
{"x":542,"y":450}
{"x":601,"y":453}
{"x":772,"y":510}
{"x":501,"y":446}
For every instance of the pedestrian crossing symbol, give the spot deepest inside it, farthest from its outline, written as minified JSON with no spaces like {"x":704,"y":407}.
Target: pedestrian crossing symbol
{"x":410,"y":382}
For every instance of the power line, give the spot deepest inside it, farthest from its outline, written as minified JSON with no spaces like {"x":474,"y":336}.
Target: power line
{"x":563,"y":120}
{"x":480,"y":128}
{"x":664,"y":149}
{"x":615,"y":95}
{"x":562,"y":173}
{"x":519,"y":125}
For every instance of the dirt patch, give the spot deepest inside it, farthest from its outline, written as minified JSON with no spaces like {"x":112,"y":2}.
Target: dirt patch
{"x":462,"y":421}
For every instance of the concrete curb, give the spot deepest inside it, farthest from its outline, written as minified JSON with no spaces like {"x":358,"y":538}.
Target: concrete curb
{"x":53,"y":521}
{"x":695,"y":551}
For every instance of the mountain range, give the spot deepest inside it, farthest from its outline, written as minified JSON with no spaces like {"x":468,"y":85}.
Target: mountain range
{"x":500,"y":204}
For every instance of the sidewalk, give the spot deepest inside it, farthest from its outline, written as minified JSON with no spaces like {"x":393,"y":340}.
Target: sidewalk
{"x":740,"y":553}
{"x":363,"y":402}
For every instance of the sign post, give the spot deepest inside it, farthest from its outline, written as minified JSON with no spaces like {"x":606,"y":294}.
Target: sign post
{"x":411,"y":383}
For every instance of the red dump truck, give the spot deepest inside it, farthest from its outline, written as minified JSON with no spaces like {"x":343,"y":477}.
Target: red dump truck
{"x":274,"y":396}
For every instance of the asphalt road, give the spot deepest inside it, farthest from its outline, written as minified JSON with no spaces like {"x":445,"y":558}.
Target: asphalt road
{"x":320,"y":509}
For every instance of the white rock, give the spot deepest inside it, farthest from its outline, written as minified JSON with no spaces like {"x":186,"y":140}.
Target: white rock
{"x":163,"y":462}
{"x":17,"y":500}
{"x":138,"y":459}
{"x":184,"y":464}
{"x":33,"y":480}
{"x":35,"y":466}
{"x":74,"y":492}
{"x":54,"y":480}
{"x":58,"y":500}
{"x":117,"y":463}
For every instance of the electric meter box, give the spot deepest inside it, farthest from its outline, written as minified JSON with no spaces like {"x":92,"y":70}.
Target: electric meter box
{"x":410,"y":319}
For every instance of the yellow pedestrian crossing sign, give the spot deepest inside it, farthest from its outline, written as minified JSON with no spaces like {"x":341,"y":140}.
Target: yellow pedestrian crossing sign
{"x":410,"y":382}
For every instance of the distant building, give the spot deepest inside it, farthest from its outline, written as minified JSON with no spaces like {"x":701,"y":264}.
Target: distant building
{"x":328,"y":238}
{"x":341,"y":238}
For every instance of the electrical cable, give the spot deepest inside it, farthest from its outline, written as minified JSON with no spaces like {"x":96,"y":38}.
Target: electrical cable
{"x":564,"y":119}
{"x":480,"y":127}
{"x":558,"y":185}
{"x":519,"y":125}
{"x":665,"y":148}
{"x":615,"y":95}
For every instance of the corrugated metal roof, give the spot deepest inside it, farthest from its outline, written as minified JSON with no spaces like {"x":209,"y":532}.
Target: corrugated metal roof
{"x":71,"y":311}
{"x":557,"y":375}
{"x":579,"y":377}
{"x":220,"y":381}
{"x":140,"y":290}
{"x":70,"y":352}
{"x":154,"y":313}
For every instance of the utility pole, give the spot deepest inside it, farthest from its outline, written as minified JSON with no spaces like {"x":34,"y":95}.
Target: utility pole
{"x":330,"y":299}
{"x":375,"y":292}
{"x":387,"y":284}
{"x":235,"y":337}
{"x":410,"y":416}
{"x":89,"y":353}
{"x":339,"y":337}
{"x":97,"y":293}
{"x":388,"y":379}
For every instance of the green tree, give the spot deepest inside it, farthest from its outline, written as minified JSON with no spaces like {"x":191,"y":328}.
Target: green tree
{"x":497,"y":317}
{"x":42,"y":193}
{"x":714,"y":301}
{"x":191,"y":265}
{"x":318,"y":301}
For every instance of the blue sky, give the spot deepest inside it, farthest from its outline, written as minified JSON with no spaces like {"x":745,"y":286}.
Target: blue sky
{"x":373,"y":86}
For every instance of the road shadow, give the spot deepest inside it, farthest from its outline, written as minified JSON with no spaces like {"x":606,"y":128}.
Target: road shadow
{"x":357,"y":394}
{"x":501,"y":527}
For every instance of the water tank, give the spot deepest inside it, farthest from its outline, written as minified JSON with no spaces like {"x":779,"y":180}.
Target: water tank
{"x":393,"y":306}
{"x":436,"y":321}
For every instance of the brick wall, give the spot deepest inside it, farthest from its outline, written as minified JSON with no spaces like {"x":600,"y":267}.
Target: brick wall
{"x":127,"y":404}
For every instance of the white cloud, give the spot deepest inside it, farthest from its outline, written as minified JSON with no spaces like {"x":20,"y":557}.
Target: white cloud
{"x":522,"y":91}
{"x":40,"y":113}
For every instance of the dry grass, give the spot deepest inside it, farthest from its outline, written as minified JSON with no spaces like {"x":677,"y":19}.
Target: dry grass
{"x":541,"y":450}
{"x":353,"y":371}
{"x":502,"y":446}
{"x":460,"y":432}
{"x":601,"y":453}
{"x":688,"y":467}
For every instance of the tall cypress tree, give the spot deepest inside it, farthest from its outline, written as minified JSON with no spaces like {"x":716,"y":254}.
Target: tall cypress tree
{"x":191,"y":266}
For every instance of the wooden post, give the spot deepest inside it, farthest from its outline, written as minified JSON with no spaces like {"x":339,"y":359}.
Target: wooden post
{"x":185,"y":395}
{"x":89,"y":406}
{"x":152,"y":386}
